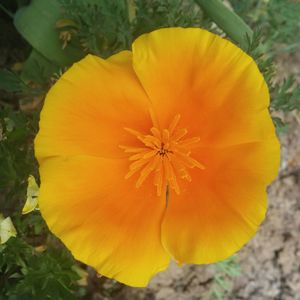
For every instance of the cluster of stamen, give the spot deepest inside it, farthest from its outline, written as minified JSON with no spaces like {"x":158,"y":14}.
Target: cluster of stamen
{"x":164,"y":153}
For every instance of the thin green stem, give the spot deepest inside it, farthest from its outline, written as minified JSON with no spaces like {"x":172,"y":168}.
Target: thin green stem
{"x":10,"y":14}
{"x":228,"y":21}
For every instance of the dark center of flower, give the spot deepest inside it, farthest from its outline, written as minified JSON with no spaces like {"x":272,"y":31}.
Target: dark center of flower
{"x":163,"y":151}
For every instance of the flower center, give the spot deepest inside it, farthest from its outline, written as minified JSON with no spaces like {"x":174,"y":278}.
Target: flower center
{"x":166,"y":153}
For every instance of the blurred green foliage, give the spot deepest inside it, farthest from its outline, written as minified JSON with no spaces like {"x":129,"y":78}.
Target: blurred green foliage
{"x":279,"y":21}
{"x":225,"y":272}
{"x":150,"y":15}
{"x":286,"y":95}
{"x":277,"y":24}
{"x":17,"y":131}
{"x":98,"y":27}
{"x":27,"y":273}
{"x":35,"y":265}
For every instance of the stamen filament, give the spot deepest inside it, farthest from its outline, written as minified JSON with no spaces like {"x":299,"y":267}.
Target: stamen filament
{"x":173,"y":124}
{"x":179,"y":134}
{"x":165,"y":154}
{"x":132,"y":149}
{"x":152,"y":165}
{"x":156,"y":132}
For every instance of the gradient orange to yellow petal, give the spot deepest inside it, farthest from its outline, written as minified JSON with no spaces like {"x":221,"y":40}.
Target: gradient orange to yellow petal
{"x":161,"y":153}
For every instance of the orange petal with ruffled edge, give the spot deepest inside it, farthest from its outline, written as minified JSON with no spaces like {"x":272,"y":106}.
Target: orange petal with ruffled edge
{"x":102,"y":218}
{"x":222,"y":99}
{"x":224,"y":204}
{"x":223,"y":154}
{"x":215,"y":86}
{"x":85,"y":112}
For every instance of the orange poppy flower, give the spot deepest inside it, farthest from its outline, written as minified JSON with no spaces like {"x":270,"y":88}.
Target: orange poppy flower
{"x":163,"y":152}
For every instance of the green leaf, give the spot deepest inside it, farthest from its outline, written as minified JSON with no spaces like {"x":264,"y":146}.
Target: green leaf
{"x":280,"y":126}
{"x":36,"y":23}
{"x":38,"y":68}
{"x":9,"y":81}
{"x":286,"y":95}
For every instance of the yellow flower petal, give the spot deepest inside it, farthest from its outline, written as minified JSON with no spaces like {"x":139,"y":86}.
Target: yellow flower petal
{"x":7,"y":229}
{"x":215,"y":86}
{"x":102,"y":218}
{"x":190,"y":115}
{"x":32,"y":196}
{"x":224,"y":204}
{"x":88,"y":107}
